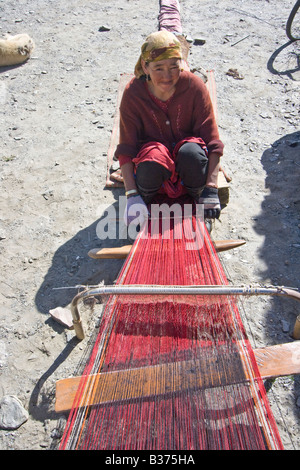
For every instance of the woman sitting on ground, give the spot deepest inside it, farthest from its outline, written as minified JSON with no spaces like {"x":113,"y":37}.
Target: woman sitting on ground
{"x":169,"y":139}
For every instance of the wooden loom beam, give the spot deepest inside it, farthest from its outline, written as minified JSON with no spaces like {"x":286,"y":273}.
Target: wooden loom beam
{"x":107,"y":387}
{"x":123,"y":251}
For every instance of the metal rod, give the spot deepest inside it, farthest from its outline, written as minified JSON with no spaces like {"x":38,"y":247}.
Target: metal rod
{"x":174,"y":290}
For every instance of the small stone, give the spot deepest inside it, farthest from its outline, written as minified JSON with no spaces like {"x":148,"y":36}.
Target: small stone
{"x":69,"y":336}
{"x":62,"y":316}
{"x":48,"y":193}
{"x":199,"y":41}
{"x":285,"y":326}
{"x":104,"y":28}
{"x":44,"y":445}
{"x":12,"y":413}
{"x":235,"y":74}
{"x":56,"y":434}
{"x":265,"y":116}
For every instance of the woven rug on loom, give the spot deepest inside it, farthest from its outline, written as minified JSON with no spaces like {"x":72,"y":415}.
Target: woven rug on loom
{"x":186,"y":375}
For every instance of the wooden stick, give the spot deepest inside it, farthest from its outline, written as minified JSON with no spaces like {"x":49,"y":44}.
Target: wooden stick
{"x":224,"y":245}
{"x":240,"y":40}
{"x":272,"y":361}
{"x":296,"y":331}
{"x":279,"y":360}
{"x":121,"y":252}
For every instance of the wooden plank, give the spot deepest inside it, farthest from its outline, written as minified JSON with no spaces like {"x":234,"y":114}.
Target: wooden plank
{"x":223,"y":189}
{"x":279,"y":360}
{"x":140,"y":382}
{"x":273,"y":361}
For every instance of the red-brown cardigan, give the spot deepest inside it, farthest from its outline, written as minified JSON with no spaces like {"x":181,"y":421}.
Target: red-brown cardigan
{"x":190,"y":114}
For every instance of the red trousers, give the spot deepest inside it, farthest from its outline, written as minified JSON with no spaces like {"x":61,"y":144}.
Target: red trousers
{"x":178,"y":178}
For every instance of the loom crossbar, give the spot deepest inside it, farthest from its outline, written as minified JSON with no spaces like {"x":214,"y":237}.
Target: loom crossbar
{"x":123,"y":251}
{"x":273,"y":361}
{"x":175,"y":290}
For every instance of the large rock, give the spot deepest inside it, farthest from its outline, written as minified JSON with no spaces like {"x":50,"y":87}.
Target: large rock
{"x":12,"y":413}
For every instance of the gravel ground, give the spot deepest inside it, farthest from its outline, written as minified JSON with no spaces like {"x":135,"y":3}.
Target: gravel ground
{"x":57,"y":113}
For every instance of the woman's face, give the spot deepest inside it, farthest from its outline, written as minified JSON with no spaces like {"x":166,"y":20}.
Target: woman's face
{"x":164,"y":75}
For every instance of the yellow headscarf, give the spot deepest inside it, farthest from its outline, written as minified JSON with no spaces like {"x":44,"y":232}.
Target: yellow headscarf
{"x":158,"y":46}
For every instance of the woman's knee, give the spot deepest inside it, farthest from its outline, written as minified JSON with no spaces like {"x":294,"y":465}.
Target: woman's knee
{"x":150,"y":175}
{"x":192,"y":165}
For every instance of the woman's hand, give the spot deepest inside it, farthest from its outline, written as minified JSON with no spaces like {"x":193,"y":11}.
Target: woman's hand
{"x":136,"y":211}
{"x":211,"y":202}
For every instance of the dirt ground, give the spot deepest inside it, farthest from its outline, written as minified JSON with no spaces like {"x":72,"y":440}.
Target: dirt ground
{"x":56,"y":119}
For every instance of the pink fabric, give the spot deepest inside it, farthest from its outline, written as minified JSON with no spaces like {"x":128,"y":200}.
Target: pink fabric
{"x":124,"y":159}
{"x":169,"y":16}
{"x":157,"y":152}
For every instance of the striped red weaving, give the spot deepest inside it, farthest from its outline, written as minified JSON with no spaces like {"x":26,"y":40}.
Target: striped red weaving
{"x":197,"y":342}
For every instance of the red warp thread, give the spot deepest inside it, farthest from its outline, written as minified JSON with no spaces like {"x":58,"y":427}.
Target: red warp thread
{"x":228,"y":410}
